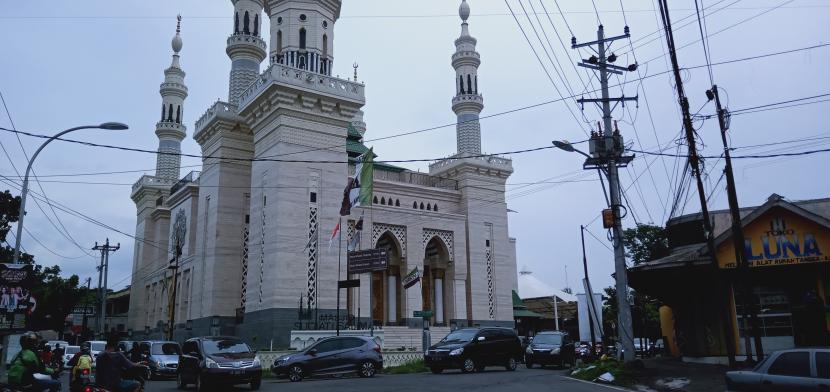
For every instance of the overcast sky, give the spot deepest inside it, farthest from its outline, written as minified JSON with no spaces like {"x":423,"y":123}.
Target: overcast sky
{"x":73,"y":62}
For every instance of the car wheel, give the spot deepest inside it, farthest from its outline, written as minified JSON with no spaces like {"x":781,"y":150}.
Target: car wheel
{"x":180,"y":382}
{"x":468,"y":366}
{"x":529,"y":364}
{"x":295,"y":373}
{"x":255,"y":384}
{"x":367,"y":369}
{"x":436,"y":370}
{"x":511,"y":364}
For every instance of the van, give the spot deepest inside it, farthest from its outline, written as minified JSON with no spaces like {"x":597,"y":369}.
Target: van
{"x":473,"y":349}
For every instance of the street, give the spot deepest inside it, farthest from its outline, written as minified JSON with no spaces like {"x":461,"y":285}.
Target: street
{"x":490,"y":380}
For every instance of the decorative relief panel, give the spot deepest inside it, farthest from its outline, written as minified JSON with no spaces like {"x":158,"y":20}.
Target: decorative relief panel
{"x":399,"y":232}
{"x":446,"y":236}
{"x":491,"y":283}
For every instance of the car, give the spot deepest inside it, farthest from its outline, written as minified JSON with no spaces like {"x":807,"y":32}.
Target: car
{"x":334,"y":355}
{"x":803,"y":369}
{"x":95,"y":348}
{"x":473,"y":349}
{"x":125,"y":345}
{"x":550,"y":348}
{"x":218,"y":360}
{"x":69,"y":353}
{"x":53,"y":343}
{"x":162,"y":357}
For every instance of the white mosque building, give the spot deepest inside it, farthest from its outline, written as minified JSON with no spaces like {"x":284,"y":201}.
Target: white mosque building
{"x":254,"y":224}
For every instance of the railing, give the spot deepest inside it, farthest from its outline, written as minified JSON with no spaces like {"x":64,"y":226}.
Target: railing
{"x":478,"y":98}
{"x":218,"y":108}
{"x":303,"y":79}
{"x":172,"y":85}
{"x":465,"y":53}
{"x":250,"y":39}
{"x":146,"y":180}
{"x":390,"y":358}
{"x":189,"y":178}
{"x":415,"y":178}
{"x":490,"y":159}
{"x":170,"y":125}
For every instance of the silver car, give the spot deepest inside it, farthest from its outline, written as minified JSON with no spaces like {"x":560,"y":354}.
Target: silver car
{"x":805,"y":369}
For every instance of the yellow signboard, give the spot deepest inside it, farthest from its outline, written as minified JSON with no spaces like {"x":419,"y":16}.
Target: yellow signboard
{"x":780,"y":237}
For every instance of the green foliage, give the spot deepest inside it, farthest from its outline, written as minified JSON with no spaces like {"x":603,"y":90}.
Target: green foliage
{"x":624,"y":374}
{"x":412,"y":367}
{"x":645,"y":243}
{"x":9,"y":208}
{"x":645,"y":312}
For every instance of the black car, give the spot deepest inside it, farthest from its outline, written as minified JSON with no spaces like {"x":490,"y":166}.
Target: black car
{"x":472,"y":349}
{"x":162,"y":357}
{"x":215,"y":361}
{"x":335,"y":355}
{"x":550,"y":348}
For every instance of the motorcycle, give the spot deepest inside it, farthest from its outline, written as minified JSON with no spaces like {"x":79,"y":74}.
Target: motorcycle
{"x":138,"y":373}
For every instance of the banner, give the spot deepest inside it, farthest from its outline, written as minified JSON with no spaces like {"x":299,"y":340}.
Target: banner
{"x":16,"y":300}
{"x":411,"y":278}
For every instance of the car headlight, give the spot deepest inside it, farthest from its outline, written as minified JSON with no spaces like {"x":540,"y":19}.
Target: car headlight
{"x":555,"y":351}
{"x":457,"y":351}
{"x":529,"y":351}
{"x":211,"y":364}
{"x":256,"y":362}
{"x":160,"y":364}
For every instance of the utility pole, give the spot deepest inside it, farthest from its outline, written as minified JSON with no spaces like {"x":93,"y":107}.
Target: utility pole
{"x":694,"y":162}
{"x":86,"y":307}
{"x":607,"y":149}
{"x":749,"y":313}
{"x":590,"y":297}
{"x":174,"y":266}
{"x":104,"y":269}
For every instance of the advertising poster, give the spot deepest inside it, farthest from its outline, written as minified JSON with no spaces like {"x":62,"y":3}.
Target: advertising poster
{"x":16,"y":300}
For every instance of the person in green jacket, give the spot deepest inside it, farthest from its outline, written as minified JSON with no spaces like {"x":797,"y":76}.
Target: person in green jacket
{"x":26,"y":364}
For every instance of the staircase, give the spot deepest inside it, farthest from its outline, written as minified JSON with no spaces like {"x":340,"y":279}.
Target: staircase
{"x":396,"y":337}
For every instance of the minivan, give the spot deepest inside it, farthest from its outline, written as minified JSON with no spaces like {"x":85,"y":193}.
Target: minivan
{"x":550,"y":348}
{"x":214,"y":362}
{"x":472,"y":349}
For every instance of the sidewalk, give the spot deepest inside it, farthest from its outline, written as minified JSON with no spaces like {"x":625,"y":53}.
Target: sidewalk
{"x":669,"y":374}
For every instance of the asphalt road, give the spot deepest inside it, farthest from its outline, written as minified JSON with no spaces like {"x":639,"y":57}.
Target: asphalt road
{"x":522,"y":380}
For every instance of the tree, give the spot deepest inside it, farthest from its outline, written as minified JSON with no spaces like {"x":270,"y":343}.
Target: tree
{"x":644,"y":312}
{"x":9,"y":208}
{"x":645,"y":243}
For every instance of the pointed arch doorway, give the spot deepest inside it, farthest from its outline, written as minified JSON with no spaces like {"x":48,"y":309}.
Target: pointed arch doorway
{"x":388,"y":304}
{"x":437,"y":279}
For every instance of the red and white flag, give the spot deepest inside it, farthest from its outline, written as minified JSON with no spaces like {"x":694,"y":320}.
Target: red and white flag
{"x":334,"y":234}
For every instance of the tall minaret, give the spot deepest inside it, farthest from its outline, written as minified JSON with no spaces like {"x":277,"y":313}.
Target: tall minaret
{"x":467,"y":103}
{"x":171,"y":130}
{"x":302,"y":33}
{"x":246,"y":48}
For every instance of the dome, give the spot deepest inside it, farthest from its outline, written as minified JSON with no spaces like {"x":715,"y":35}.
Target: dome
{"x":464,"y":10}
{"x":177,"y":43}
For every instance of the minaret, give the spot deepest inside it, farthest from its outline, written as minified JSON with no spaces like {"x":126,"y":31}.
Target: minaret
{"x":467,"y":103}
{"x":302,"y":33}
{"x":246,"y":48}
{"x":170,"y":130}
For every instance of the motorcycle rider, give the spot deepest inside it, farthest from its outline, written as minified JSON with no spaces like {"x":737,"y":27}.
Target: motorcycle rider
{"x":110,"y":367}
{"x":26,"y":364}
{"x":81,"y":361}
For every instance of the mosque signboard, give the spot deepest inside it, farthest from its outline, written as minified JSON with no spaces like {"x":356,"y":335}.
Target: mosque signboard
{"x":363,"y":261}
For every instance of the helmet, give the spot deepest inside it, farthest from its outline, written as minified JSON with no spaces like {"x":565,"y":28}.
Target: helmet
{"x":29,"y":340}
{"x":86,"y":348}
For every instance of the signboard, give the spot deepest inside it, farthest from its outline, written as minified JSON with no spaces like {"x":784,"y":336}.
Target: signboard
{"x":363,"y":261}
{"x":780,"y":238}
{"x":16,"y":301}
{"x":349,"y":283}
{"x":422,"y":313}
{"x":81,"y":310}
{"x":411,"y":278}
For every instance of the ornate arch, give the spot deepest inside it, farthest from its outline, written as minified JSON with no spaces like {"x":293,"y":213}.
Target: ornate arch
{"x":445,"y":236}
{"x":399,"y":232}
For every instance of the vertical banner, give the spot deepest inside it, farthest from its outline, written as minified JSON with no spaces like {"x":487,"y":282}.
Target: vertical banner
{"x":16,"y":300}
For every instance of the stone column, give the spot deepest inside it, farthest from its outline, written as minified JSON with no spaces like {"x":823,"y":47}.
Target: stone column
{"x":439,"y":300}
{"x":392,"y":299}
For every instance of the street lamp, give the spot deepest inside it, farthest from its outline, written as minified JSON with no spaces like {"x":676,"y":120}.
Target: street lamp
{"x":111,"y":126}
{"x":565,"y":145}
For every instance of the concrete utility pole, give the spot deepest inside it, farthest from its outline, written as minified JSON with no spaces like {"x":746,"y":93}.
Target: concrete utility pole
{"x":590,"y":296}
{"x":174,"y":266}
{"x":607,"y":151}
{"x":86,"y":306}
{"x":749,"y":312}
{"x":104,"y":268}
{"x":694,"y":163}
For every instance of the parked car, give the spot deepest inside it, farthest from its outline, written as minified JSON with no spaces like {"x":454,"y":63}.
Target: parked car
{"x":550,"y":348}
{"x":787,"y":370}
{"x":162,"y":357}
{"x":336,"y":355}
{"x":68,"y":353}
{"x":125,"y":345}
{"x":95,"y":348}
{"x":472,"y":349}
{"x":218,"y":360}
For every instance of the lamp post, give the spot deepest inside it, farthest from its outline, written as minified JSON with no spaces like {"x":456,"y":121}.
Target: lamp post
{"x":24,"y":191}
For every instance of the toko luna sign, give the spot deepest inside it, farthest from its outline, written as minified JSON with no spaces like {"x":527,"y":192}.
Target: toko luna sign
{"x":780,"y":239}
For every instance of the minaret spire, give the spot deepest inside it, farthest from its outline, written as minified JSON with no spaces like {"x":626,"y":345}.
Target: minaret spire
{"x":246,"y":48}
{"x":171,"y":130}
{"x":468,"y":102}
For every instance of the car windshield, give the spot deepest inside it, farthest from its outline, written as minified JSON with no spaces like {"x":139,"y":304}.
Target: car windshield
{"x":165,"y":349}
{"x":760,"y":363}
{"x":97,"y":346}
{"x":225,"y":346}
{"x":461,"y":335}
{"x":548,"y":339}
{"x":72,"y":350}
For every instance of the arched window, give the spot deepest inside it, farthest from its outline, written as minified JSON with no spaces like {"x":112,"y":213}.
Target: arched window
{"x":162,"y":112}
{"x":279,"y":42}
{"x":435,"y":207}
{"x":422,"y":205}
{"x":397,"y":202}
{"x":469,"y":84}
{"x":461,"y":84}
{"x":170,"y":113}
{"x":476,"y":84}
{"x":236,"y":23}
{"x":301,"y":64}
{"x":246,"y":22}
{"x":302,"y":38}
{"x":382,"y":201}
{"x":256,"y":25}
{"x":415,"y":205}
{"x":376,"y":200}
{"x":325,"y":46}
{"x":179,"y":114}
{"x":429,"y":207}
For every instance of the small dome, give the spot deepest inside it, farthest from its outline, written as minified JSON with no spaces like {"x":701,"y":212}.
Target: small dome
{"x":177,"y":43}
{"x":464,"y":10}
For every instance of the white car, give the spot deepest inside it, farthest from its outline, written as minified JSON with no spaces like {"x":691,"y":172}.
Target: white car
{"x":805,"y":369}
{"x":69,"y":353}
{"x":95,"y":348}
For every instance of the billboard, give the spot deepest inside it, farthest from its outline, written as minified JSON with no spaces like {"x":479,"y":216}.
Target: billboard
{"x":16,"y":300}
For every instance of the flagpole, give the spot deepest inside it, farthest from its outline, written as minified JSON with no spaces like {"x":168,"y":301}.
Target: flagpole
{"x":339,"y":261}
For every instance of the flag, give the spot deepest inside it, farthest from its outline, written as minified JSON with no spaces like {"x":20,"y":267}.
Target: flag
{"x":358,"y":231}
{"x":359,"y":188}
{"x":334,"y":234}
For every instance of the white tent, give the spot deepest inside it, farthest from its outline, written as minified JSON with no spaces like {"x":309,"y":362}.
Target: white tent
{"x":532,"y":287}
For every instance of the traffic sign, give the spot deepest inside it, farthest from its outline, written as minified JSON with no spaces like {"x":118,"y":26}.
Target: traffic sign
{"x":346,"y":284}
{"x":423,"y":313}
{"x":364,"y":261}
